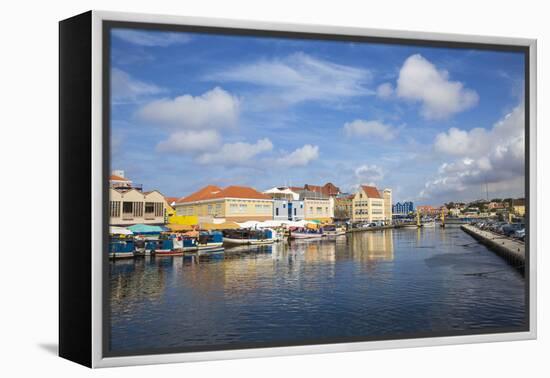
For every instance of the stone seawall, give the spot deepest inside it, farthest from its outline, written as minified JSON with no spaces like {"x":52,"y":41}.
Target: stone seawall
{"x":510,"y":249}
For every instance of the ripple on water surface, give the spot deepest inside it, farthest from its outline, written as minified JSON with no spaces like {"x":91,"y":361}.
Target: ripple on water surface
{"x":370,"y":284}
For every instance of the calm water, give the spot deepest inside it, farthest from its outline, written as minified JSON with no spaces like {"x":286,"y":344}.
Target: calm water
{"x":370,"y":284}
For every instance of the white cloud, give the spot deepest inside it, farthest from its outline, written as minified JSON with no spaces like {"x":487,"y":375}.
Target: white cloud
{"x":299,"y":77}
{"x":385,"y":90}
{"x":420,"y":80}
{"x":369,"y":174}
{"x":126,"y":88}
{"x":214,"y":109}
{"x":190,"y":141}
{"x":494,"y":156}
{"x":374,"y":129}
{"x":300,"y":157}
{"x":236,"y":153}
{"x":151,"y":38}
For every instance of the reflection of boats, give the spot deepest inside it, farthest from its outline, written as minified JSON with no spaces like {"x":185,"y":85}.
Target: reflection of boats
{"x":332,"y":230}
{"x":248,"y":237}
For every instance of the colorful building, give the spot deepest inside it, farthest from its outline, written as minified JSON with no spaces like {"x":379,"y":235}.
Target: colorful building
{"x":233,"y":203}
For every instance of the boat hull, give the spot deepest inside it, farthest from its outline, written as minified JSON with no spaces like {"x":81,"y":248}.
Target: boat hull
{"x":121,"y":255}
{"x":233,"y":241}
{"x":305,"y":236}
{"x":168,"y":252}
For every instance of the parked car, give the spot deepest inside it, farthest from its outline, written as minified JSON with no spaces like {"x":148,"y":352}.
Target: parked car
{"x":519,"y":234}
{"x":511,"y":228}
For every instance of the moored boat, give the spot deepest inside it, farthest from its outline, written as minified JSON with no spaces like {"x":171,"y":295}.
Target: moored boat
{"x":121,"y":248}
{"x":305,"y":233}
{"x":333,"y":230}
{"x":249,"y":237}
{"x":176,"y":246}
{"x":209,"y":240}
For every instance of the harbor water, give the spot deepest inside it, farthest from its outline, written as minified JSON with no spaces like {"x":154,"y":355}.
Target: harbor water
{"x":391,"y":283}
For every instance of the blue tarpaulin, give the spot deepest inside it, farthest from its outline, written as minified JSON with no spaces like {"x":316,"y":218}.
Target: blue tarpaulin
{"x":146,"y":229}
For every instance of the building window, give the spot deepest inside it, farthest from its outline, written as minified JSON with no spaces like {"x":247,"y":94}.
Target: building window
{"x":138,"y":209}
{"x":149,"y":208}
{"x":114,"y":209}
{"x":159,"y":209}
{"x":277,"y":211}
{"x":127,"y":208}
{"x":284,"y":205}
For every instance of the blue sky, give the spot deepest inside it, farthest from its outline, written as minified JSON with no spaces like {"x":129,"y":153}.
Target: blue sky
{"x":433,"y":124}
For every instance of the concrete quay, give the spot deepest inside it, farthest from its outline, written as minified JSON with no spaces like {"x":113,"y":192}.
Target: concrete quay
{"x":510,"y":249}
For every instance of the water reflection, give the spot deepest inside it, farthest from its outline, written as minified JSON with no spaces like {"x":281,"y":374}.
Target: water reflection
{"x":371,"y":283}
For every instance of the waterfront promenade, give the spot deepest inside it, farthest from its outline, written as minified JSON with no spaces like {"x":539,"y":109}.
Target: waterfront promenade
{"x":511,"y":249}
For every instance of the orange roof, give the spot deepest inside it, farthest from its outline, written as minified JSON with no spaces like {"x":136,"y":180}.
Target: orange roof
{"x":213,"y":192}
{"x":205,"y":193}
{"x":117,"y":178}
{"x":171,"y":199}
{"x":371,"y":191}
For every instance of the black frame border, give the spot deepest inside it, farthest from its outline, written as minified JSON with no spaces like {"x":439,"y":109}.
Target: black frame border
{"x":107,"y":25}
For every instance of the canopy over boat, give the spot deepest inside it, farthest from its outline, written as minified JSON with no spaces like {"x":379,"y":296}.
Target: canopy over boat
{"x":114,"y":230}
{"x":146,"y":229}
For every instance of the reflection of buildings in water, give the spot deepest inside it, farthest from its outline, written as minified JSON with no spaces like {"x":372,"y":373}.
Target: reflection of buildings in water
{"x":133,"y":280}
{"x":372,"y":245}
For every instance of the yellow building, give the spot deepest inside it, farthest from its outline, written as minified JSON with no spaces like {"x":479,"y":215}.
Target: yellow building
{"x":127,"y":207}
{"x":318,"y":209}
{"x":388,"y":212}
{"x":343,"y":207}
{"x":518,"y":206}
{"x":368,"y":205}
{"x":234,"y":203}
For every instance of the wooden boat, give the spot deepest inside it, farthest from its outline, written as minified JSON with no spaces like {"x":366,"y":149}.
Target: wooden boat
{"x":428,"y":224}
{"x":121,"y":248}
{"x":145,"y":247}
{"x":210,"y":240}
{"x":332,"y":230}
{"x":176,"y":246}
{"x":304,"y":233}
{"x":410,"y":225}
{"x":249,"y":237}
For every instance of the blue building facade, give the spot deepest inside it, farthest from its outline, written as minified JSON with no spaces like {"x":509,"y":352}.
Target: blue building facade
{"x":403,"y":208}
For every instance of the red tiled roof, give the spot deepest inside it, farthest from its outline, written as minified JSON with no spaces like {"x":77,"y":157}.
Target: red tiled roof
{"x":213,"y":192}
{"x":117,"y":178}
{"x":329,"y":189}
{"x":371,"y":191}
